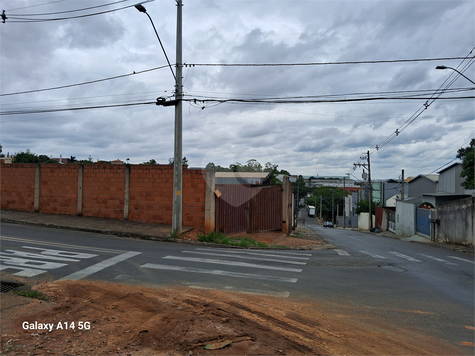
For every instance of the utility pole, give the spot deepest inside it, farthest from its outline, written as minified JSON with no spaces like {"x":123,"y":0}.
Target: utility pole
{"x":370,"y":195}
{"x":333,"y":209}
{"x":402,"y":185}
{"x":321,"y":197}
{"x":177,"y":160}
{"x":344,"y":203}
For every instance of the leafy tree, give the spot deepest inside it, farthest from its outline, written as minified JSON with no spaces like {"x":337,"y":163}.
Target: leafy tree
{"x":362,"y":206}
{"x":1,"y":154}
{"x":72,"y":159}
{"x":46,"y":159}
{"x":332,"y":198}
{"x":466,"y":154}
{"x":184,"y":161}
{"x":25,"y":157}
{"x":152,"y":161}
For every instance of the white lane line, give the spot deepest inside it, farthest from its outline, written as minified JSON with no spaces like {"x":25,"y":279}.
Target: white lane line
{"x":461,"y":259}
{"x":231,"y":263}
{"x":342,"y":253}
{"x":100,"y":266}
{"x":218,"y":272}
{"x":354,"y":238}
{"x":57,"y":244}
{"x":246,"y":257}
{"x":373,"y":254}
{"x":261,"y":253}
{"x":409,"y":258}
{"x":240,"y":290}
{"x":438,"y":259}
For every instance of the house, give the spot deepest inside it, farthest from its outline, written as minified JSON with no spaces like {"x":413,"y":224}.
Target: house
{"x":423,"y":183}
{"x":255,"y":178}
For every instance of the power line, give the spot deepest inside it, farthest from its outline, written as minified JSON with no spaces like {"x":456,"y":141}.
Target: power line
{"x":30,"y":20}
{"x":84,"y":83}
{"x":64,"y":12}
{"x":27,"y":7}
{"x":316,"y":63}
{"x":38,"y":111}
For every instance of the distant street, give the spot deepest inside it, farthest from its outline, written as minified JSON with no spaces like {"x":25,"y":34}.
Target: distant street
{"x":414,"y":286}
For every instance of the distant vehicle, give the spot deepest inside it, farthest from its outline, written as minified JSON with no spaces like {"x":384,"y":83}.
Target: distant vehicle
{"x":327,"y":224}
{"x":311,"y":210}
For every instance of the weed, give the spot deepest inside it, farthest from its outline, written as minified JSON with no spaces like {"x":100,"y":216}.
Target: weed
{"x":220,"y":238}
{"x":31,"y":293}
{"x":175,"y":234}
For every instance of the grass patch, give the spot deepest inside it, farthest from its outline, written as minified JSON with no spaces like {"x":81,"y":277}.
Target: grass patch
{"x":31,"y":294}
{"x":220,"y":238}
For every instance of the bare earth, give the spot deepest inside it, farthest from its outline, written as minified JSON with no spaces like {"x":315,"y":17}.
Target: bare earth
{"x":129,"y":320}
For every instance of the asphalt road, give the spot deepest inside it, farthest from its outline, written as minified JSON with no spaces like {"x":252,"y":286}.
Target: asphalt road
{"x":414,"y":286}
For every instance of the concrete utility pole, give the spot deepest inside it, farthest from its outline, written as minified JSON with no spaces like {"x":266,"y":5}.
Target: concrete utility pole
{"x":402,"y":186}
{"x":370,"y":195}
{"x":344,"y":203}
{"x":177,"y":160}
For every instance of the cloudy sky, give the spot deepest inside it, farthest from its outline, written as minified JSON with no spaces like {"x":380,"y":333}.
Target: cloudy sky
{"x":330,"y":53}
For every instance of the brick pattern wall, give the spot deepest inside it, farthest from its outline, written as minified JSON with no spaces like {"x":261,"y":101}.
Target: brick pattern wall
{"x":103,"y":191}
{"x":151,"y":193}
{"x":17,"y":186}
{"x":58,"y":189}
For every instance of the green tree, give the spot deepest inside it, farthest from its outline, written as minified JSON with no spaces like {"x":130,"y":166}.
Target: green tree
{"x":362,"y":206}
{"x":332,"y":198}
{"x":152,"y":161}
{"x":25,"y":157}
{"x":466,"y":154}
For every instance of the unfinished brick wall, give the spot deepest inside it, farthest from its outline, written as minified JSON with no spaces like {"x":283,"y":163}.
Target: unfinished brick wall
{"x":103,"y":191}
{"x":151,"y":193}
{"x":58,"y":189}
{"x":17,"y":186}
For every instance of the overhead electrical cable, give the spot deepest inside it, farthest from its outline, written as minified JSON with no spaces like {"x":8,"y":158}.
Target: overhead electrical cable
{"x":29,"y":6}
{"x":67,"y":11}
{"x":84,"y":83}
{"x":317,"y":63}
{"x":29,"y":20}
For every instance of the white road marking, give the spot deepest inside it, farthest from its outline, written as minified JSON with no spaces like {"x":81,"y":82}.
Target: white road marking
{"x":35,"y":242}
{"x":461,"y":259}
{"x":24,"y":272}
{"x":354,"y":238}
{"x":59,"y":253}
{"x":38,"y":256}
{"x":24,"y":262}
{"x":409,"y":258}
{"x":342,"y":253}
{"x":438,"y":259}
{"x":231,"y":263}
{"x":218,"y":272}
{"x":373,"y":254}
{"x":246,"y":257}
{"x":290,"y":255}
{"x":100,"y":266}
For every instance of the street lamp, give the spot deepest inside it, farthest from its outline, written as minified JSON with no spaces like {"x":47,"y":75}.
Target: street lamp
{"x":178,"y":103}
{"x":445,"y":67}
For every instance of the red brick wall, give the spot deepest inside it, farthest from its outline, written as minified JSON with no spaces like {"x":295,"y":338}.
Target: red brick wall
{"x":103,"y":191}
{"x":151,"y":193}
{"x":194,"y":197}
{"x":59,"y":189}
{"x":17,"y":186}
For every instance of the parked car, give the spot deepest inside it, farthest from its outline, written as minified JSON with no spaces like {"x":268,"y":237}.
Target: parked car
{"x":327,"y":224}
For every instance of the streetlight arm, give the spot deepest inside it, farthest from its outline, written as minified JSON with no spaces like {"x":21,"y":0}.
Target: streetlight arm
{"x":445,"y":67}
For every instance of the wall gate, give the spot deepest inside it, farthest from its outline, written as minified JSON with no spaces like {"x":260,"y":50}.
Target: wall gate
{"x":423,"y":221}
{"x":247,"y":208}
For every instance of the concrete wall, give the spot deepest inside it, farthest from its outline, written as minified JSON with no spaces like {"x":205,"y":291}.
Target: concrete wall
{"x":363,"y":221}
{"x":405,"y":218}
{"x":134,"y":192}
{"x":457,"y":221}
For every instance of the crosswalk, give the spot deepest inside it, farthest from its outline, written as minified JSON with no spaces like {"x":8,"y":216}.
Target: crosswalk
{"x":416,"y":257}
{"x":232,"y":263}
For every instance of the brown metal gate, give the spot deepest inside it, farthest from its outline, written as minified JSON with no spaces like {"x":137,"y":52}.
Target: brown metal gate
{"x":246,"y":208}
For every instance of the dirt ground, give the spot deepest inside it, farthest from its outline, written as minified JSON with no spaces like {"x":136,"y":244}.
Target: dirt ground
{"x":117,"y":319}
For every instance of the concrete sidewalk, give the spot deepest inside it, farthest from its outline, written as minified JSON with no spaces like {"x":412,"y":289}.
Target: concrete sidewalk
{"x":123,"y":228}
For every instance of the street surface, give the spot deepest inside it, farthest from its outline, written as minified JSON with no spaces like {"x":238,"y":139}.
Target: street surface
{"x":415,"y":286}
